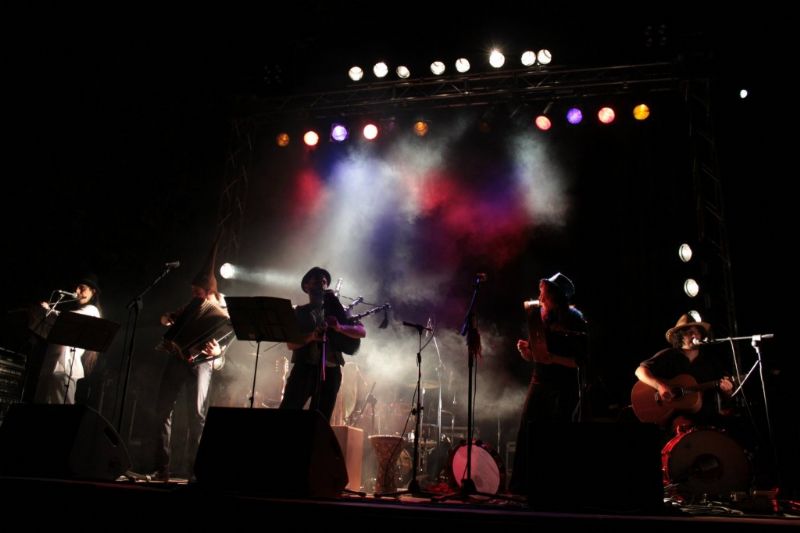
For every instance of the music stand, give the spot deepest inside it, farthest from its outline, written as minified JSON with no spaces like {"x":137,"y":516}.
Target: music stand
{"x":263,"y":318}
{"x":81,"y":331}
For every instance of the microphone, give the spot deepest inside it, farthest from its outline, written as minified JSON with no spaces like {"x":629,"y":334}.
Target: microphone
{"x":480,"y":276}
{"x":172,"y":264}
{"x":419,"y":327}
{"x":705,"y":342}
{"x":67,"y":293}
{"x":529,"y":304}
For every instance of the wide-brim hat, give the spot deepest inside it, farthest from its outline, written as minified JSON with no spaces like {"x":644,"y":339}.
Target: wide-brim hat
{"x":90,"y":280}
{"x":316,"y":271}
{"x":562,"y":283}
{"x":686,"y":321}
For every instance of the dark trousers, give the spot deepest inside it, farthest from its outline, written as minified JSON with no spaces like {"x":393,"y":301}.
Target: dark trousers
{"x":545,"y":402}
{"x":304,"y":383}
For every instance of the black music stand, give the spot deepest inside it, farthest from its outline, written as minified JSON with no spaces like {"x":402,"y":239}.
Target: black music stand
{"x":263,"y":318}
{"x":81,"y":331}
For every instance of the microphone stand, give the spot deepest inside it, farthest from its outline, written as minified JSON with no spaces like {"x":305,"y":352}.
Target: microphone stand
{"x":134,"y":309}
{"x":755,"y":341}
{"x":413,"y":485}
{"x":69,"y":375}
{"x":470,"y":331}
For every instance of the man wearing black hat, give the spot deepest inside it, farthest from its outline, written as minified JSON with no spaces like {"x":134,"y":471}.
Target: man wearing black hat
{"x":63,"y":366}
{"x":685,"y":358}
{"x":190,"y":367}
{"x":556,"y":346}
{"x":311,"y":376}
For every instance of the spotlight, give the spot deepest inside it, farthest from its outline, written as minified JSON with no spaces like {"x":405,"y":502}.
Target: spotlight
{"x":437,"y":68}
{"x":380,"y":70}
{"x":339,"y":133}
{"x":311,"y":138}
{"x":544,"y":56}
{"x":403,"y":72}
{"x":691,"y":287}
{"x":282,"y":139}
{"x":695,"y":316}
{"x":685,"y":252}
{"x":528,"y":58}
{"x":355,"y":73}
{"x":606,"y":115}
{"x":743,"y":94}
{"x":227,"y":271}
{"x":421,"y":128}
{"x":543,"y":123}
{"x":462,"y":65}
{"x":496,"y":58}
{"x":641,"y":112}
{"x":574,"y":116}
{"x":370,"y":132}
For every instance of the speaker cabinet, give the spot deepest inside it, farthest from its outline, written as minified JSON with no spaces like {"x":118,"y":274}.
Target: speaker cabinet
{"x":277,"y":452}
{"x":60,"y":441}
{"x":595,"y":467}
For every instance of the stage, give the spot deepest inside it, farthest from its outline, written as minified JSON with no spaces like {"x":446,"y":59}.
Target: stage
{"x":137,"y":505}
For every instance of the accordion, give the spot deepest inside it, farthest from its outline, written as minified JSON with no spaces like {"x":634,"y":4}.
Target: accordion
{"x":198,"y":323}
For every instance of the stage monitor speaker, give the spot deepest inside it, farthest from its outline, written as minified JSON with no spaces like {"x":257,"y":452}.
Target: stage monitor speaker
{"x":595,"y":467}
{"x":60,"y":441}
{"x":276,"y":452}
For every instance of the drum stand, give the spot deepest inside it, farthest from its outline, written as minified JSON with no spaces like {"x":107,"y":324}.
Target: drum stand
{"x":413,"y":485}
{"x":470,"y":331}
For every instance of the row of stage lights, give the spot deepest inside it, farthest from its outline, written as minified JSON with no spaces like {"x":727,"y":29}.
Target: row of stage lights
{"x":574,"y":116}
{"x":462,"y":65}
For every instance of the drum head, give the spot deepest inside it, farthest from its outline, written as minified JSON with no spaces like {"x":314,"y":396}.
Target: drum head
{"x":485,"y":470}
{"x":705,"y":462}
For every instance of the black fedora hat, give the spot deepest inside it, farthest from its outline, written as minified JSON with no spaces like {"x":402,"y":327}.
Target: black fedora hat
{"x":562,"y":283}
{"x":316,"y":271}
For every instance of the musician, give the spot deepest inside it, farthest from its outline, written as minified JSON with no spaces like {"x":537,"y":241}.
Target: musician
{"x":686,"y":357}
{"x":557,"y":347}
{"x":323,"y":316}
{"x":180,"y":372}
{"x":63,"y":366}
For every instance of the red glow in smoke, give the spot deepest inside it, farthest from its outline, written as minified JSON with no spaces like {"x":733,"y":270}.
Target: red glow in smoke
{"x":309,"y":194}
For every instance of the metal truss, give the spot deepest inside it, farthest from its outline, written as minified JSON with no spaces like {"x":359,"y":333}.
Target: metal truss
{"x":482,"y":89}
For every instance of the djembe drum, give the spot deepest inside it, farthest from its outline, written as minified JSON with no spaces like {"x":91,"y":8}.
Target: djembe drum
{"x":387,"y":451}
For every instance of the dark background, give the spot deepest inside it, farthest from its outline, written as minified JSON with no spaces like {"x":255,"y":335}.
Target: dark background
{"x":119,"y":131}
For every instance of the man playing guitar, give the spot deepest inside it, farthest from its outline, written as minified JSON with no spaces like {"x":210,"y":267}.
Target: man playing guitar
{"x":672,"y":366}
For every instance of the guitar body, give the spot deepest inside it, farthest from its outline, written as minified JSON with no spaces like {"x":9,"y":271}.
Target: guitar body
{"x":649,"y":407}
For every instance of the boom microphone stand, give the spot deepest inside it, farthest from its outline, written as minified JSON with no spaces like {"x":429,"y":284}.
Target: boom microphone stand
{"x":413,"y":485}
{"x":755,"y":341}
{"x":134,"y":308}
{"x":470,"y":331}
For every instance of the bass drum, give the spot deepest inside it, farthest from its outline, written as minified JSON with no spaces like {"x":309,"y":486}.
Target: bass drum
{"x":705,"y":462}
{"x":488,"y":471}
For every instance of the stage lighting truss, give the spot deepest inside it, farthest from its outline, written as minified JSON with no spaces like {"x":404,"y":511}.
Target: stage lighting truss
{"x":475,"y":89}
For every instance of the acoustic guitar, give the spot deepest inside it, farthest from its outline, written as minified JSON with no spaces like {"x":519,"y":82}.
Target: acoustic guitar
{"x":687,"y":397}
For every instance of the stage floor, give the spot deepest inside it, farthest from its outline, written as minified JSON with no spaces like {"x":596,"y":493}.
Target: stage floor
{"x":132,"y":505}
